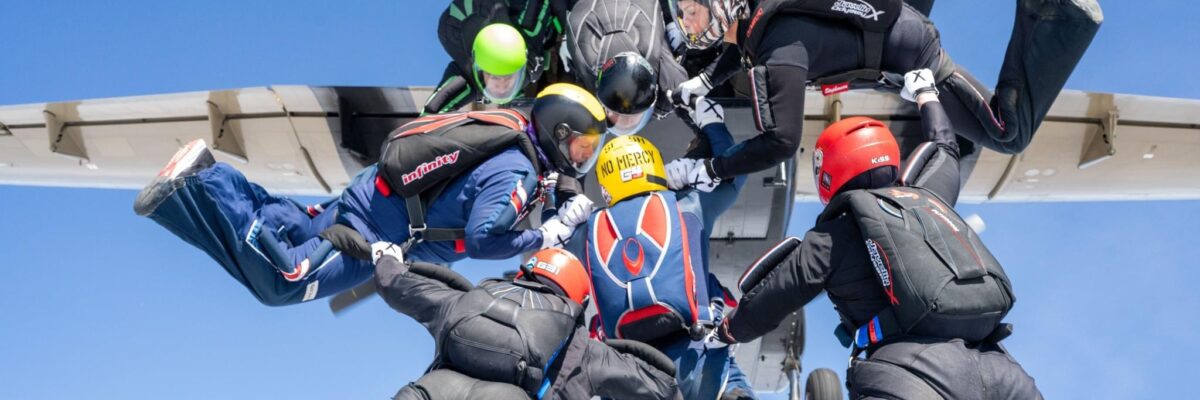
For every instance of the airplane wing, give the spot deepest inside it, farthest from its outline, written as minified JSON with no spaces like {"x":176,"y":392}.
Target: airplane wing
{"x":291,"y":139}
{"x":311,"y":140}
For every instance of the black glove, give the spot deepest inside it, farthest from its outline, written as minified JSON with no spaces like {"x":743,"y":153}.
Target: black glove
{"x":348,"y":241}
{"x":566,"y":188}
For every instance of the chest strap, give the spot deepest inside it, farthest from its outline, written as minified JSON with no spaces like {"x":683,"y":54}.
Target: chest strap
{"x":417,"y":229}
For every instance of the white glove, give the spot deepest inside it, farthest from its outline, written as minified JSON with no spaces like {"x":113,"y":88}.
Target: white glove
{"x":576,"y":210}
{"x":706,"y":112}
{"x":916,"y":82}
{"x":550,"y":183}
{"x":564,"y":55}
{"x":677,"y":172}
{"x":702,"y":177}
{"x":674,"y":38}
{"x":380,"y":249}
{"x":555,"y":233}
{"x":691,"y":172}
{"x":685,"y":95}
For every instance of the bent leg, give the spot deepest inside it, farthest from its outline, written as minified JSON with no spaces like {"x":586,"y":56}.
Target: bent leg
{"x":1049,"y":38}
{"x":444,"y":384}
{"x":216,"y":210}
{"x":870,"y":379}
{"x":737,"y":386}
{"x":1004,"y":377}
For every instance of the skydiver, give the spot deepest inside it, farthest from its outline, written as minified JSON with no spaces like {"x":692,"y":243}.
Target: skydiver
{"x":496,"y":48}
{"x":913,"y":284}
{"x":517,"y":339}
{"x":617,"y":49}
{"x":467,"y":205}
{"x":844,"y":44}
{"x":647,"y":255}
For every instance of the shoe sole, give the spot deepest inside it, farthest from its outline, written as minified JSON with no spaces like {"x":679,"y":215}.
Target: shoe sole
{"x":184,"y":158}
{"x":163,"y":185}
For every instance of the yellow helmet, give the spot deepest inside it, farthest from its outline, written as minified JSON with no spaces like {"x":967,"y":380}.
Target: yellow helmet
{"x":629,"y":165}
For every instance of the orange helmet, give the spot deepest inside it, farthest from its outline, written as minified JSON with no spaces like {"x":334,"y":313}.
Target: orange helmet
{"x":849,"y":148}
{"x":562,"y":268}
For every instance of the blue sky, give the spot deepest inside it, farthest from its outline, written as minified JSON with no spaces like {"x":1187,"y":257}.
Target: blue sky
{"x":97,"y":302}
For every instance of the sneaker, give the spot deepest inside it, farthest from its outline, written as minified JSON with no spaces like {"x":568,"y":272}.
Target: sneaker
{"x":189,"y":160}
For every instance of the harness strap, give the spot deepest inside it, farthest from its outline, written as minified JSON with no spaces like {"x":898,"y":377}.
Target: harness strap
{"x":882,"y":326}
{"x":418,"y":229}
{"x":885,"y":325}
{"x":873,"y":49}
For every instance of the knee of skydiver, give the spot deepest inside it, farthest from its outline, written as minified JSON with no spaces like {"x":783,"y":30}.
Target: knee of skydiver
{"x":785,"y":145}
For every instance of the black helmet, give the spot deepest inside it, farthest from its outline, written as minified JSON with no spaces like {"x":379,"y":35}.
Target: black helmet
{"x":627,"y":86}
{"x":570,"y":128}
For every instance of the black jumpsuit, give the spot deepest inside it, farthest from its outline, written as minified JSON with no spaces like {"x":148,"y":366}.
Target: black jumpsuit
{"x":834,"y":258}
{"x":459,"y":24}
{"x":1049,"y":38}
{"x":587,"y":367}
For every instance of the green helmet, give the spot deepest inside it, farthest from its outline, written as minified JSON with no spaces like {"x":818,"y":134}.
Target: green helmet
{"x":499,"y":62}
{"x":499,"y":49}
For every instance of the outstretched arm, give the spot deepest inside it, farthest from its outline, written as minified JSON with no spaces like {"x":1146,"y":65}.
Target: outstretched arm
{"x":419,"y":296}
{"x":794,"y":279}
{"x":499,"y":199}
{"x":454,"y":91}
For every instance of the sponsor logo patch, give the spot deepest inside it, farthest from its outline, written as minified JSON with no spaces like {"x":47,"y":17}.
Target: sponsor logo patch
{"x":310,"y":291}
{"x":859,"y":8}
{"x":426,"y":168}
{"x":818,"y":160}
{"x":835,"y":88}
{"x":882,"y":269}
{"x":547,"y":267}
{"x":629,"y":174}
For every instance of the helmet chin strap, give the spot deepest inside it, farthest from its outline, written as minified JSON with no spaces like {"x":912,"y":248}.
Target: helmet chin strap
{"x":532,"y":133}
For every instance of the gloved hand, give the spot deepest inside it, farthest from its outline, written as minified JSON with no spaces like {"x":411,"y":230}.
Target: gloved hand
{"x":706,"y":112}
{"x":555,"y":233}
{"x":686,"y":94}
{"x":917,"y":82}
{"x":381,"y":249}
{"x":576,"y":210}
{"x":550,"y":182}
{"x":721,"y":333}
{"x":677,"y":172}
{"x":691,"y":172}
{"x":675,"y":38}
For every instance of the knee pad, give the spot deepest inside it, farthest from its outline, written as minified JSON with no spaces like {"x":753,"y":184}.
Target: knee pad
{"x":766,"y":263}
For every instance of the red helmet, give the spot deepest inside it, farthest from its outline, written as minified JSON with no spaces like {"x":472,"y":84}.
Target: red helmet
{"x":848,"y":148}
{"x":562,"y":268}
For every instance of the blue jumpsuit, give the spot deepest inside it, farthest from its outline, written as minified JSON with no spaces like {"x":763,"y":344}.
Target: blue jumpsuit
{"x":700,"y":370}
{"x":261,"y":239}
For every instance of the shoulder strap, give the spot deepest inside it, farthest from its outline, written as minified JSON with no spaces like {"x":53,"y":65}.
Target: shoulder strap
{"x":417,"y":229}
